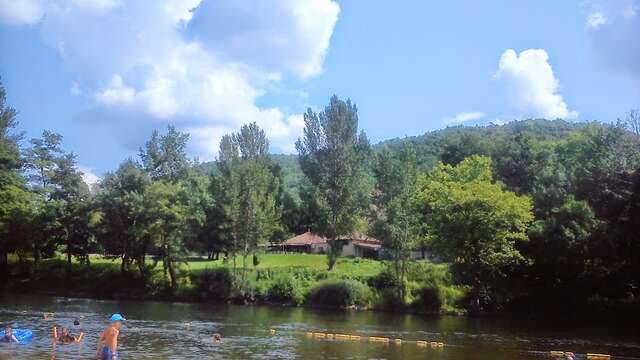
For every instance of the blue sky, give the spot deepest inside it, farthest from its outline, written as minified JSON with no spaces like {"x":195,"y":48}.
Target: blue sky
{"x":105,"y":73}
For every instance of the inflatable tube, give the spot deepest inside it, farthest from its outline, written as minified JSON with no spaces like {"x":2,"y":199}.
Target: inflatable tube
{"x":23,"y":335}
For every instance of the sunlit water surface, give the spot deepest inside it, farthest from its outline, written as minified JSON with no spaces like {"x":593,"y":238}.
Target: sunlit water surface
{"x":157,"y":330}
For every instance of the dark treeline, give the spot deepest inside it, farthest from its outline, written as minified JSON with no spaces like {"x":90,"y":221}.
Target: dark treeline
{"x":532,"y":212}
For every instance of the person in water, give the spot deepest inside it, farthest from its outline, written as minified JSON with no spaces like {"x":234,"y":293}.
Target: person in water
{"x":108,"y":342}
{"x":64,"y":336}
{"x":8,"y":335}
{"x":217,"y":338}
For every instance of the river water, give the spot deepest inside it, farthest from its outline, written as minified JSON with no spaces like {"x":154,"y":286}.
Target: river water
{"x":157,"y":330}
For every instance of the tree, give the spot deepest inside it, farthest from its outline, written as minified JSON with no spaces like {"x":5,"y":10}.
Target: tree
{"x":252,"y":205}
{"x":164,"y":157}
{"x":473,"y":223}
{"x":171,"y":213}
{"x":227,"y":186}
{"x":631,"y":121}
{"x":122,"y":229}
{"x":42,"y":159}
{"x":561,"y":246}
{"x":15,"y":217}
{"x":396,"y":220}
{"x":10,"y":162}
{"x":292,"y":214}
{"x":334,"y":159}
{"x":15,"y":202}
{"x":458,"y":148}
{"x":72,"y":196}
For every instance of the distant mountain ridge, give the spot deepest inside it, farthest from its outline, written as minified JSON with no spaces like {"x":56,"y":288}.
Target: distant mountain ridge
{"x":430,"y":146}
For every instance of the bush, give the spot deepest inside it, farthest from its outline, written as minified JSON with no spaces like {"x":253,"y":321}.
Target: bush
{"x":386,"y":279}
{"x":428,"y":300}
{"x":213,"y":285}
{"x":340,"y":294}
{"x":286,"y":289}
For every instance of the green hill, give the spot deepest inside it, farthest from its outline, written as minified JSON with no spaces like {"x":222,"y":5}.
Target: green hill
{"x":449,"y":144}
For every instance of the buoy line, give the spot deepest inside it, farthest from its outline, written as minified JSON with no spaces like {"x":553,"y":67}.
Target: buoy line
{"x":437,"y":345}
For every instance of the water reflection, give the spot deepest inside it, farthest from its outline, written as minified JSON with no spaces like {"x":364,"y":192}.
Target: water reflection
{"x":185,"y":331}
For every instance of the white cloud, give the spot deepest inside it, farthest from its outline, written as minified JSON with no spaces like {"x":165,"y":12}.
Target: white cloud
{"x":531,"y":86}
{"x":75,"y":89}
{"x":116,"y":93}
{"x":463,"y":117}
{"x":88,"y":176}
{"x":275,"y":36}
{"x":596,"y":19}
{"x":21,"y":12}
{"x":201,"y":64}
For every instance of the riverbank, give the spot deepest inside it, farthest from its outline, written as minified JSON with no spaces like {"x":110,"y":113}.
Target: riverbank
{"x":277,"y":279}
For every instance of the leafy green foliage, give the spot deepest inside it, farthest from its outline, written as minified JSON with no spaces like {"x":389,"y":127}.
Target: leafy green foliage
{"x":334,"y":158}
{"x":340,"y":294}
{"x":472,"y":222}
{"x":251,"y":200}
{"x":395,"y":222}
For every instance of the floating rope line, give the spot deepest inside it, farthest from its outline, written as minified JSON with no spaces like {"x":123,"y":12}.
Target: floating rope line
{"x":429,"y":344}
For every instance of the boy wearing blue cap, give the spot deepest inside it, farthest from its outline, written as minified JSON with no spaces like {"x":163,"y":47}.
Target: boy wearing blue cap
{"x":108,"y":342}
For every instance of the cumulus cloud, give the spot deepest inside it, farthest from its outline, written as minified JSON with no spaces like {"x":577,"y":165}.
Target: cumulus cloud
{"x":463,"y":117}
{"x":531,"y":86}
{"x":615,"y":42}
{"x":88,"y":176}
{"x":596,"y":19}
{"x":201,"y":64}
{"x":21,"y":12}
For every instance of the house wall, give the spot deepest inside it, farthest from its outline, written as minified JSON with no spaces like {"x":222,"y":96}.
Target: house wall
{"x":348,"y":249}
{"x":319,"y":248}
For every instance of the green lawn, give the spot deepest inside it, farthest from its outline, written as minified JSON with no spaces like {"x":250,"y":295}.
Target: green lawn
{"x":355,"y":267}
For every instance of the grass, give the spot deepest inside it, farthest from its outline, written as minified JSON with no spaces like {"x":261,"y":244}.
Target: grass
{"x":355,"y":267}
{"x":345,"y":267}
{"x":304,"y":272}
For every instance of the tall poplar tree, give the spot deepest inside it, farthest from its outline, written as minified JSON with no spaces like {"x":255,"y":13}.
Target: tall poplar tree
{"x":396,"y":221}
{"x":333,"y":158}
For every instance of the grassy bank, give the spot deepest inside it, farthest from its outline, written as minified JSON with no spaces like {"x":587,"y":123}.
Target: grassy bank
{"x":289,"y":279}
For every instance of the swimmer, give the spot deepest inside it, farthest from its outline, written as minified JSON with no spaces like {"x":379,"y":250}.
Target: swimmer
{"x":48,"y":316}
{"x":8,"y":335}
{"x":108,"y":342}
{"x":64,"y":337}
{"x":217,"y":338}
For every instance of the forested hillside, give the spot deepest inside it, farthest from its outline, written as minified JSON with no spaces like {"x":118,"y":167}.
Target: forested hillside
{"x":449,"y":145}
{"x":515,"y":212}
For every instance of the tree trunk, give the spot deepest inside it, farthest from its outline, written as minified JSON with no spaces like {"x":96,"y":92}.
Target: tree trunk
{"x":4,"y":261}
{"x":36,"y":252}
{"x":335,"y":248}
{"x":172,"y":274}
{"x":68,"y":259}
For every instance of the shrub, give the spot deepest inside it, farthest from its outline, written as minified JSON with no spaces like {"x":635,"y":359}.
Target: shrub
{"x":340,"y":294}
{"x":428,"y":300}
{"x":286,"y":289}
{"x":213,"y":285}
{"x":384,"y":280}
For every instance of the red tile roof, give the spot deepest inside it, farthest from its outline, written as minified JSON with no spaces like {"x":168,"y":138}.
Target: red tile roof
{"x":307,"y":238}
{"x":310,"y":238}
{"x":367,"y":245}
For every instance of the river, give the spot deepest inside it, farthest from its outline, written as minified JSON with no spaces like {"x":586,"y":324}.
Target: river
{"x":158,"y":330}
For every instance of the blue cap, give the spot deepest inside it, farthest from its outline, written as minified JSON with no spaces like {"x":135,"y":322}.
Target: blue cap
{"x":117,"y":317}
